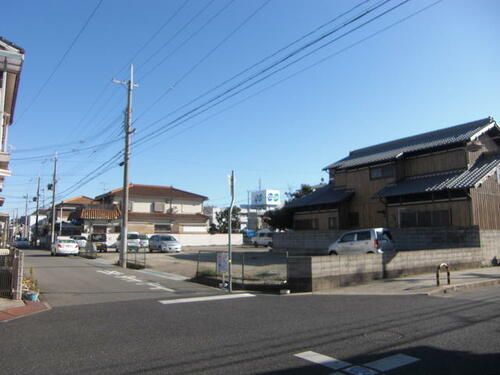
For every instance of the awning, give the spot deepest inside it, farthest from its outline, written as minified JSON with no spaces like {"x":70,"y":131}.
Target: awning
{"x":451,"y":180}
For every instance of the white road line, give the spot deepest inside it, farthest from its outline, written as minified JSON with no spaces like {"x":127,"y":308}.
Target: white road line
{"x":323,"y":360}
{"x":103,"y":261}
{"x":165,"y":275}
{"x":392,"y":362}
{"x":360,"y":370}
{"x":206,"y":299}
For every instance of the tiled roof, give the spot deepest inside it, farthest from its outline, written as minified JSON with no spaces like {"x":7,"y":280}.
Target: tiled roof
{"x":458,"y":179}
{"x":157,"y":215}
{"x":391,"y":150}
{"x":323,"y":195}
{"x":96,"y":213}
{"x":79,"y":200}
{"x":155,"y":191}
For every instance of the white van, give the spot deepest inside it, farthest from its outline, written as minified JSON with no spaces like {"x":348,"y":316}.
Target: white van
{"x":263,"y":238}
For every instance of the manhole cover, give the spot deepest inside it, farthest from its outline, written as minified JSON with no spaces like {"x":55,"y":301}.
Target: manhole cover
{"x":383,"y":336}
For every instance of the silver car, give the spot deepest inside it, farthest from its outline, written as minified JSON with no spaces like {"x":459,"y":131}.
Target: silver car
{"x":163,"y":242}
{"x":363,"y":241}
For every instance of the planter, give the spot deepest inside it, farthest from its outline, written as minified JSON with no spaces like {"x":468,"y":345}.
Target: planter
{"x":31,"y":296}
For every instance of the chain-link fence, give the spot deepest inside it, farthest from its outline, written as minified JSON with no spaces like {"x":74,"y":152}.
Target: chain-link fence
{"x":250,"y":270}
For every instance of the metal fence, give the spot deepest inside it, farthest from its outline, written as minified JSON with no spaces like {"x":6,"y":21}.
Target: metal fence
{"x":136,"y":259}
{"x":11,"y":272}
{"x":250,"y":269}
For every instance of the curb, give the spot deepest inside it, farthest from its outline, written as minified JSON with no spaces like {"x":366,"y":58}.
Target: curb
{"x":459,"y":287}
{"x":29,"y":308}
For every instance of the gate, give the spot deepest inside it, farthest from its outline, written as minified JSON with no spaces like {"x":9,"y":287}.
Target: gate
{"x":6,"y":276}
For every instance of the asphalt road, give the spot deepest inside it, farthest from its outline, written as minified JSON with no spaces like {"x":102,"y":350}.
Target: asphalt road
{"x":106,"y":323}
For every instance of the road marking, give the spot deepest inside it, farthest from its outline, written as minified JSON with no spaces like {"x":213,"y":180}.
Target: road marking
{"x":360,"y":370}
{"x":103,"y":261}
{"x":206,"y":299}
{"x":372,"y":368}
{"x":392,"y":362}
{"x":135,"y":280}
{"x":165,"y":275}
{"x":323,"y":360}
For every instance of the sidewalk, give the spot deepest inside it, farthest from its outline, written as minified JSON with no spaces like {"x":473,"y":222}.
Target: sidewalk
{"x":10,"y":309}
{"x":425,"y":284}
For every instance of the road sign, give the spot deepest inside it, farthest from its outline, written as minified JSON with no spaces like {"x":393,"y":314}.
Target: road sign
{"x":222,"y":262}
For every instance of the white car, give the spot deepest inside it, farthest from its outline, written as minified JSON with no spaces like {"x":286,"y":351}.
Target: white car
{"x":144,"y":241}
{"x":363,"y":241}
{"x":263,"y":238}
{"x":81,"y":241}
{"x":163,"y":242}
{"x":65,"y":246}
{"x":133,"y":242}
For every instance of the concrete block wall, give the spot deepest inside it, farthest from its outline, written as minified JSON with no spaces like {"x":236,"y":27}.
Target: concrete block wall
{"x":316,"y":243}
{"x":311,"y":274}
{"x":490,"y":245}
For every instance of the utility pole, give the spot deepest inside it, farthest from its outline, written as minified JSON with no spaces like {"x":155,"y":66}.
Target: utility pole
{"x":53,"y":224}
{"x":37,"y":208}
{"x":25,"y":231}
{"x":126,"y":156}
{"x":61,"y":218}
{"x":230,"y":226}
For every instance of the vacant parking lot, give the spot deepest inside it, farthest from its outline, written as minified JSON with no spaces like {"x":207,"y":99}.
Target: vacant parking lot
{"x":248,"y":262}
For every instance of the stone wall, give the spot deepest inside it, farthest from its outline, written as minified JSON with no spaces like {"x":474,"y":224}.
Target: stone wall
{"x":490,"y":246}
{"x":320,"y":273}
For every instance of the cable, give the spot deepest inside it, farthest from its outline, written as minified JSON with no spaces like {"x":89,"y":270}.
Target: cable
{"x":205,"y":57}
{"x":190,"y":37}
{"x":352,"y":45}
{"x":56,"y":68}
{"x":177,"y":33}
{"x":258,"y":63}
{"x":200,"y":107}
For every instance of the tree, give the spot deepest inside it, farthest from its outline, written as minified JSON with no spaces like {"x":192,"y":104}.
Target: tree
{"x":304,"y":190}
{"x":223,"y":220}
{"x":279,"y":219}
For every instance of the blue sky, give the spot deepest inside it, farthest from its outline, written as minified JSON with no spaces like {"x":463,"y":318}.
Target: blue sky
{"x":436,"y":69}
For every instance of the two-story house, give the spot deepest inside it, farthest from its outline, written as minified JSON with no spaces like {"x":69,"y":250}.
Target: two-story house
{"x":152,"y":209}
{"x":448,"y":177}
{"x":11,"y":64}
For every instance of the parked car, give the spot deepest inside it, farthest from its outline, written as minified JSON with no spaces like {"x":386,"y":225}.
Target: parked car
{"x":133,"y":242}
{"x":80,"y":240}
{"x":144,"y":241}
{"x":64,"y":246}
{"x":97,"y":242}
{"x":21,"y":243}
{"x":164,"y":242}
{"x":263,"y":238}
{"x":364,"y":241}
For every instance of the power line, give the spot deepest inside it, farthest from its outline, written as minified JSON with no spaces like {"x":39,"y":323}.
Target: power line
{"x":190,"y":37}
{"x":199,"y":109}
{"x":350,"y":46}
{"x":61,"y":60}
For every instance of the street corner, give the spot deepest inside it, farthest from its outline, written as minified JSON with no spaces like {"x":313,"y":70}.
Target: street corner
{"x":29,"y":308}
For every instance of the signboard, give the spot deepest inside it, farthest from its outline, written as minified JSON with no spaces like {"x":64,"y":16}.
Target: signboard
{"x":266,"y":198}
{"x":222,"y":262}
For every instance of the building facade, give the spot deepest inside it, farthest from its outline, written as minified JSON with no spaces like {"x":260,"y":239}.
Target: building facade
{"x":153,"y":209}
{"x":449,"y":177}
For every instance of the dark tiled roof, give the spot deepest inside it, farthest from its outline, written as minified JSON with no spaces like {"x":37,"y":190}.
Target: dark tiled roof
{"x":394,"y":149}
{"x":323,"y":195}
{"x":157,"y":215}
{"x":458,"y":179}
{"x":155,"y":191}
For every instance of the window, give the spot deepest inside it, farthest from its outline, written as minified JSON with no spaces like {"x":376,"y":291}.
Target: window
{"x":353,"y":219}
{"x":349,"y":237}
{"x":306,"y":224}
{"x":437,"y":218}
{"x":385,"y":171}
{"x":158,"y":207}
{"x":333,"y":222}
{"x":163,"y":228}
{"x":99,"y":229}
{"x":363,"y":236}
